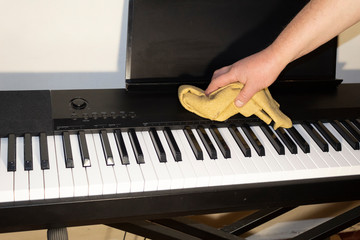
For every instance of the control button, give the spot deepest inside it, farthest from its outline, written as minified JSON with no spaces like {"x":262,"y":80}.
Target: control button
{"x":95,"y":115}
{"x":122,"y":114}
{"x":74,"y":116}
{"x":104,"y":115}
{"x":132,"y":114}
{"x":78,"y":103}
{"x":85,"y":116}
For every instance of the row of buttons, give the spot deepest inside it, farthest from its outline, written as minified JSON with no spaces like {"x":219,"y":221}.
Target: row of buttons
{"x":104,"y":115}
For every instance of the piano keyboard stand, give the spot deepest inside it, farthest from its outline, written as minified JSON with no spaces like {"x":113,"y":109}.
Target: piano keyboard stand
{"x":184,"y":228}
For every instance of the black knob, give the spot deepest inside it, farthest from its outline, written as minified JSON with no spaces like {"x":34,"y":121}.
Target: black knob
{"x":78,"y":103}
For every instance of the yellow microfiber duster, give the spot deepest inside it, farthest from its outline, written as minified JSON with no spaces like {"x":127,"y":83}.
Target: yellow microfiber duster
{"x":219,"y":105}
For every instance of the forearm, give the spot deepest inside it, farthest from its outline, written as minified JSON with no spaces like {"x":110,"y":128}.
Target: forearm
{"x":318,"y":22}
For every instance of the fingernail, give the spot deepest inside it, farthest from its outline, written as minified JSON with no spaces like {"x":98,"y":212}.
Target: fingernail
{"x":239,"y":103}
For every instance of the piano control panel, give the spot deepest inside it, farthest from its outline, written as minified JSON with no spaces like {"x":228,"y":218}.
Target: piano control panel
{"x":88,"y":109}
{"x":81,"y":109}
{"x":119,"y":108}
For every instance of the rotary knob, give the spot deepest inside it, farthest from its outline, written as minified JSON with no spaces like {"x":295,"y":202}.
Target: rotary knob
{"x":78,"y":103}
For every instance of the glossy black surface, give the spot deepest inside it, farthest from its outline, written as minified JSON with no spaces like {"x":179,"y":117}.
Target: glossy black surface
{"x":318,"y":139}
{"x":121,"y":147}
{"x":69,"y":161}
{"x":255,"y":142}
{"x":328,"y":135}
{"x":289,"y":143}
{"x":44,"y":152}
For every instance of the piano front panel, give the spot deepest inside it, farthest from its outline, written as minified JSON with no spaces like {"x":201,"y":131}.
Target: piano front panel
{"x":91,"y":180}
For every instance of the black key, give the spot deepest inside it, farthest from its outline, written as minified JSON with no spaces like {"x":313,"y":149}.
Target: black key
{"x":289,"y":143}
{"x":28,"y":158}
{"x":172,"y":144}
{"x":157,"y":144}
{"x":345,"y":134}
{"x":136,"y":146}
{"x":69,"y":161}
{"x":44,"y":152}
{"x":316,"y":136}
{"x":351,"y":128}
{"x":11,"y":164}
{"x":207,"y":142}
{"x":299,"y":139}
{"x":255,"y":142}
{"x":106,"y":148}
{"x":225,"y":150}
{"x":279,"y":147}
{"x":328,"y":136}
{"x":240,"y":140}
{"x":357,"y":123}
{"x":193,"y":143}
{"x":85,"y":157}
{"x":124,"y":157}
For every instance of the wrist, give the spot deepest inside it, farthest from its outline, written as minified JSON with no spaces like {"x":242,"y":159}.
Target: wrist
{"x":277,"y":59}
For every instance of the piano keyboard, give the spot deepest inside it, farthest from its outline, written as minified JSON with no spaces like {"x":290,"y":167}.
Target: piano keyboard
{"x":118,"y":161}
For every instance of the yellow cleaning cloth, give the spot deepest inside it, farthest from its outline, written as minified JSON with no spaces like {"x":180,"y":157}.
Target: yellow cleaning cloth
{"x":219,"y":105}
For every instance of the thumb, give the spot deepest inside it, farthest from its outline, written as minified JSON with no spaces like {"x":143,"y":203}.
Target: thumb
{"x":245,"y":95}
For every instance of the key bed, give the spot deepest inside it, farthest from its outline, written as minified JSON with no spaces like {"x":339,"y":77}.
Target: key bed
{"x":68,"y":172}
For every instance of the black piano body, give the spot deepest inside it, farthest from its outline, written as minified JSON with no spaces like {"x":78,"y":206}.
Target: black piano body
{"x":307,"y":91}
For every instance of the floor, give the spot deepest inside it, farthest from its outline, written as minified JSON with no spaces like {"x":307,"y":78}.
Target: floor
{"x":102,"y":232}
{"x":93,"y":232}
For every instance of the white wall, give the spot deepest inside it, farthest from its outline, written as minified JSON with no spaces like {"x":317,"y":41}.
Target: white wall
{"x":80,"y":44}
{"x":49,"y":44}
{"x":348,"y":56}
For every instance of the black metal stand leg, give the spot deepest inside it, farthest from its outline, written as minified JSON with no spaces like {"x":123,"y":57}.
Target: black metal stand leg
{"x":332,"y":226}
{"x":196,"y":229}
{"x":254,"y":220}
{"x":152,"y":230}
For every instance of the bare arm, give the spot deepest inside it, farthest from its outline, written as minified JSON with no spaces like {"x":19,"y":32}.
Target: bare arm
{"x":315,"y":24}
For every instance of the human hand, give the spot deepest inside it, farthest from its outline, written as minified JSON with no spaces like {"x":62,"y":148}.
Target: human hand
{"x":256,"y":72}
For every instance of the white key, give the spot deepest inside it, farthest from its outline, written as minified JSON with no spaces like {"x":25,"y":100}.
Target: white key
{"x":292,"y":167}
{"x":259,"y":162}
{"x":189,"y":173}
{"x":81,"y":186}
{"x":280,"y":165}
{"x":352,"y":156}
{"x":313,"y":154}
{"x":216,"y":177}
{"x":66,"y":181}
{"x":107,"y":172}
{"x":120,"y":170}
{"x":303,"y":157}
{"x":222,"y":163}
{"x":320,"y":158}
{"x":36,"y":177}
{"x":134,"y":171}
{"x":202,"y":175}
{"x":238,"y":160}
{"x":51,"y":179}
{"x":93,"y":172}
{"x":176,"y":174}
{"x":246,"y":162}
{"x":161,"y":170}
{"x":186,"y":170}
{"x":21,"y":176}
{"x":6,"y":178}
{"x":336,"y":157}
{"x":147,"y":169}
{"x":272,"y":158}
